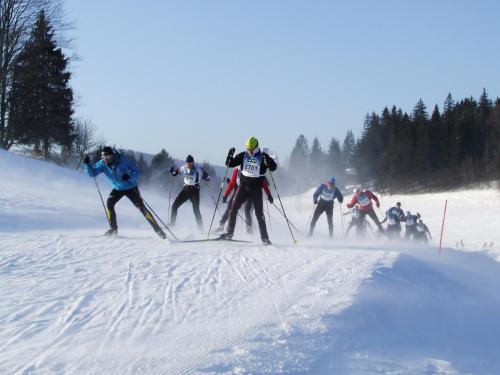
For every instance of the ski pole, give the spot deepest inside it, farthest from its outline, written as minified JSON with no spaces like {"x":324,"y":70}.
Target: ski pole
{"x":281,"y":203}
{"x":218,"y":198}
{"x":293,"y":226}
{"x":269,"y":215}
{"x":213,"y":199}
{"x":106,"y":212}
{"x":169,"y":197}
{"x":342,"y":218}
{"x":159,"y":219}
{"x":310,"y":217}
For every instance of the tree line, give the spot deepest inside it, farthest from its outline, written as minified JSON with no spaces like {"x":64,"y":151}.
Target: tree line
{"x":449,"y":148}
{"x":401,"y":152}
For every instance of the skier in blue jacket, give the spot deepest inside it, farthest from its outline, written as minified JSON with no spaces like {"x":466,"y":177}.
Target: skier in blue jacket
{"x":123,"y":174}
{"x":323,"y":197}
{"x":394,"y":216}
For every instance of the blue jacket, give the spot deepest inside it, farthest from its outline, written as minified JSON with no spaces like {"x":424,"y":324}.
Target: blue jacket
{"x":115,"y":172}
{"x":326,"y":195}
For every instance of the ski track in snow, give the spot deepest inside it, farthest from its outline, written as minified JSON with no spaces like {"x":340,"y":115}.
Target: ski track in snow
{"x":72,"y":302}
{"x":95,"y":295}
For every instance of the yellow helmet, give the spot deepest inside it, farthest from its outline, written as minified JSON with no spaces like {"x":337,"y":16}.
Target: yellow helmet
{"x":252,"y":143}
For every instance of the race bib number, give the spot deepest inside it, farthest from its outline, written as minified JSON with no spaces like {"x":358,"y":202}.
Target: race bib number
{"x":251,"y":168}
{"x":327,"y":196}
{"x":189,"y":179}
{"x":364,"y":201}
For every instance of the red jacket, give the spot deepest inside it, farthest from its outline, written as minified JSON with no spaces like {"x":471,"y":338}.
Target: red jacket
{"x":364,"y":200}
{"x":233,"y":184}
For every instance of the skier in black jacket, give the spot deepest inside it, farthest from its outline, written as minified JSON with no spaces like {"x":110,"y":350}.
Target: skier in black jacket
{"x":191,"y":190}
{"x":254,"y":164}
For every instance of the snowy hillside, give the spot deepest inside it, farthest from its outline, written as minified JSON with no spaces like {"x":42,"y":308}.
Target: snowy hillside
{"x":73,"y":302}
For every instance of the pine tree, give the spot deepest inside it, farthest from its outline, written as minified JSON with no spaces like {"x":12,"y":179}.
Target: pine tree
{"x":317,"y":159}
{"x":144,"y":169}
{"x":299,"y":168}
{"x":348,"y":148}
{"x":159,"y":169}
{"x":41,"y":101}
{"x":334,"y":161}
{"x":449,"y":105}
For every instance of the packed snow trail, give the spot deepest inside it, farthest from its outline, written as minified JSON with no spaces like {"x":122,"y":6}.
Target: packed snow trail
{"x":77,"y":304}
{"x":73,"y":302}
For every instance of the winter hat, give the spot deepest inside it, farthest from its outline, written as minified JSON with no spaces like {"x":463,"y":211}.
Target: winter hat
{"x":252,"y":143}
{"x":189,"y":159}
{"x":331,"y":180}
{"x":107,"y":150}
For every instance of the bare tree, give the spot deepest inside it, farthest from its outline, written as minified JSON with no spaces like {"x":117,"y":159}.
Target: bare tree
{"x":85,"y":139}
{"x":17,"y":18}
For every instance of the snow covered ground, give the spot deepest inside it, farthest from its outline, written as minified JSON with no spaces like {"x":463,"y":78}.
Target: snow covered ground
{"x":72,"y":302}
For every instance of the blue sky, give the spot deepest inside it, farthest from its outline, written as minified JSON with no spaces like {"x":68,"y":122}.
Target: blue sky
{"x":200,"y":76}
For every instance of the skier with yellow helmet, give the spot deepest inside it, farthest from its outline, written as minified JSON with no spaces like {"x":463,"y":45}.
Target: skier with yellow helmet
{"x":254,"y":164}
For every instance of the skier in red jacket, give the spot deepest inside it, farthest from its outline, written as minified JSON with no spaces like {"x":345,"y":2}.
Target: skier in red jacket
{"x":364,"y":200}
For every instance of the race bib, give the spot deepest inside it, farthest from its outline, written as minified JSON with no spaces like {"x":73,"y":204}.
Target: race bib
{"x":356,"y":214}
{"x":410,"y":221}
{"x":420,"y":228}
{"x":363,"y":200}
{"x":391,"y":221}
{"x":189,"y":177}
{"x":327,"y":195}
{"x":251,"y":167}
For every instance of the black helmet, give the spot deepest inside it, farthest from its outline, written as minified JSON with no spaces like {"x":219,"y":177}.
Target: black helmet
{"x":107,"y":150}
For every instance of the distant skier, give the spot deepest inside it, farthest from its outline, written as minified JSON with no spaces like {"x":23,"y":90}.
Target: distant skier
{"x":323,"y":198}
{"x":364,"y":199}
{"x":422,"y":232}
{"x":411,"y":225}
{"x":123,"y":174}
{"x":254,"y":164}
{"x":358,"y":222}
{"x":394,"y":216}
{"x":191,"y":190}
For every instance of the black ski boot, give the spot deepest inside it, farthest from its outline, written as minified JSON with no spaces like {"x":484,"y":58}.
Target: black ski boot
{"x":266,"y":242}
{"x":111,"y":232}
{"x":225,"y":236}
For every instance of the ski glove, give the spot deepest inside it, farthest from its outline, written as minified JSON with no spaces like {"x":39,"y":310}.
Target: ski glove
{"x":315,"y":201}
{"x":224,"y":199}
{"x":86,"y":160}
{"x":172,"y":169}
{"x":125,"y":177}
{"x":270,"y":199}
{"x":230,"y":155}
{"x":378,"y":205}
